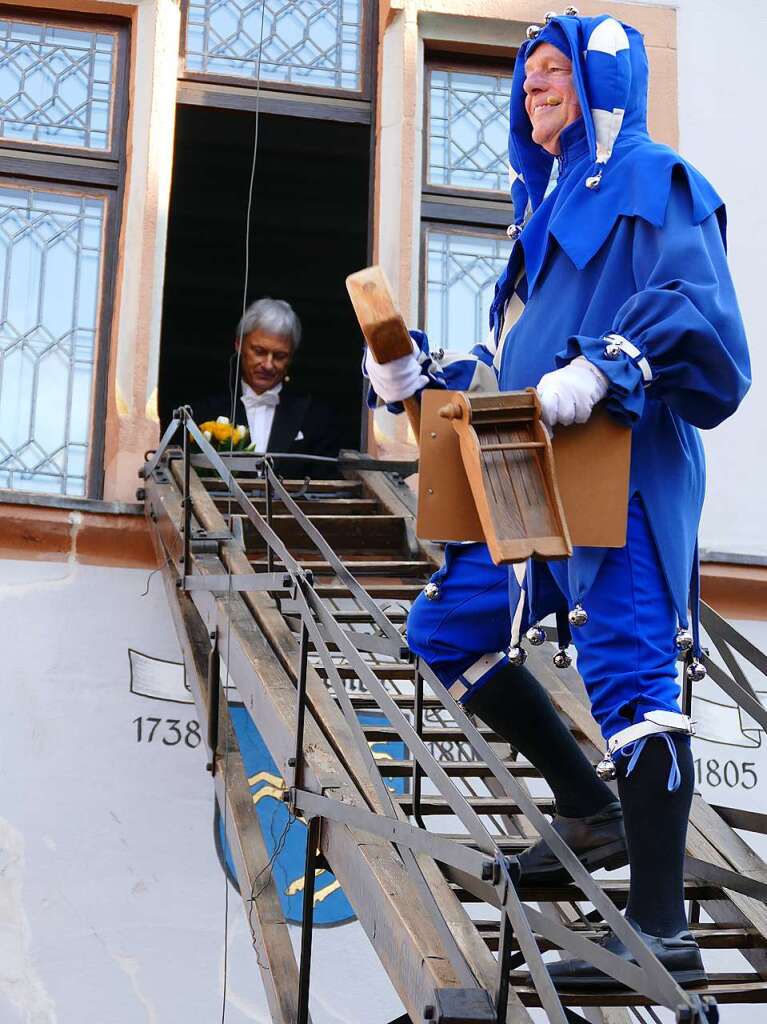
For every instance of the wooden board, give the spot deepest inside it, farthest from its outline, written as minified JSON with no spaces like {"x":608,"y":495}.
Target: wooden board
{"x":381,"y":322}
{"x":385,"y":331}
{"x":592,"y":463}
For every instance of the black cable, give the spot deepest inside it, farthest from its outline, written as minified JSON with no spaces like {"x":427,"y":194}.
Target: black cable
{"x":231,"y":446}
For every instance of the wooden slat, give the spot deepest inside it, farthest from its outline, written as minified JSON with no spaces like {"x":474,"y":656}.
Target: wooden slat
{"x":617,"y":891}
{"x":459,"y":769}
{"x":346,"y":488}
{"x":708,"y":936}
{"x":360,"y":567}
{"x":370,"y":534}
{"x":328,"y":506}
{"x":725,"y":988}
{"x":482,"y":805}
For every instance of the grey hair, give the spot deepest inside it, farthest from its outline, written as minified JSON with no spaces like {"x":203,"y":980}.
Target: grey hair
{"x":274,"y":316}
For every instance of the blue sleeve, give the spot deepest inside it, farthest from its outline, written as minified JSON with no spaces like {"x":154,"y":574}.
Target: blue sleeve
{"x":444,"y":370}
{"x":680,"y":336}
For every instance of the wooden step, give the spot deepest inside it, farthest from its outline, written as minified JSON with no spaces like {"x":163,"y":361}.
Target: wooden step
{"x":616,"y":889}
{"x":386,"y":734}
{"x":318,"y":505}
{"x":360,"y":567}
{"x":329,"y":488}
{"x":480,"y":804}
{"x":460,"y":769}
{"x":368,"y":535}
{"x":392,"y":672}
{"x":365,"y":618}
{"x":363,"y":701}
{"x":708,"y":936}
{"x":378,"y":590}
{"x":743,"y":987}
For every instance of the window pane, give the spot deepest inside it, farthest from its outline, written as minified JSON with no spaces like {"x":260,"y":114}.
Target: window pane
{"x":469,"y":130}
{"x":55,"y":85}
{"x":461,"y":273}
{"x":316,"y":43}
{"x":50,"y":266}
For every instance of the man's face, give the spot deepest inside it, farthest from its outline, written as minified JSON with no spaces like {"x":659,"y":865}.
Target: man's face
{"x":551,"y":102}
{"x":264,"y":359}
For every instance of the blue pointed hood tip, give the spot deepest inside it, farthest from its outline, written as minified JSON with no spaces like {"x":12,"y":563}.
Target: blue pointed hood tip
{"x":622,"y":173}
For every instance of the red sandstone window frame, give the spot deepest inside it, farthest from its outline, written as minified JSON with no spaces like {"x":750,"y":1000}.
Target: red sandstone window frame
{"x":87,"y":173}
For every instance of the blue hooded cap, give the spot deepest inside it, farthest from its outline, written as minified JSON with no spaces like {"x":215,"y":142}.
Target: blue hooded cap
{"x":616,"y":170}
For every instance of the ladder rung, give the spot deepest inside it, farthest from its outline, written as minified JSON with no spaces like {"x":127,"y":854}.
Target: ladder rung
{"x":385,"y":733}
{"x":480,"y":804}
{"x":725,"y":988}
{"x":707,"y":936}
{"x":616,"y":890}
{"x":460,"y":769}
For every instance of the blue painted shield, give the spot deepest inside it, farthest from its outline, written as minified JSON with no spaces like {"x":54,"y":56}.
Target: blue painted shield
{"x":286,"y":840}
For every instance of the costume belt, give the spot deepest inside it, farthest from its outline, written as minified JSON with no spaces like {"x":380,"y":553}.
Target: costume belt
{"x":655,"y":722}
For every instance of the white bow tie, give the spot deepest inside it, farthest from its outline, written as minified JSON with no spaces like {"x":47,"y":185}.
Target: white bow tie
{"x":253,"y":401}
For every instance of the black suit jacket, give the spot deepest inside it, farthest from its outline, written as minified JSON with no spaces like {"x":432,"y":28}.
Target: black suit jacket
{"x":301,"y":425}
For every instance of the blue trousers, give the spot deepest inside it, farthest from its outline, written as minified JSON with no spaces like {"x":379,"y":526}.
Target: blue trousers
{"x":626,"y":649}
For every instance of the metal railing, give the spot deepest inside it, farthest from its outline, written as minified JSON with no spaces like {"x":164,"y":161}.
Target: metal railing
{"x":482,"y":868}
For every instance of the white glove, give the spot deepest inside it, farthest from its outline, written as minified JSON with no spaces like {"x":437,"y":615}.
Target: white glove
{"x":568,"y":395}
{"x":397,"y":380}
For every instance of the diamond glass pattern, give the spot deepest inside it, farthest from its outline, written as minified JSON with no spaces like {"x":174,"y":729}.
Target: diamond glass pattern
{"x":50,"y":267}
{"x":469,"y":130}
{"x":55,"y":84}
{"x":461,"y":273}
{"x":316,"y":43}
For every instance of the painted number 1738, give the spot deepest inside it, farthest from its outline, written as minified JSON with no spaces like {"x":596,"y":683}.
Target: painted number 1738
{"x":168,"y":731}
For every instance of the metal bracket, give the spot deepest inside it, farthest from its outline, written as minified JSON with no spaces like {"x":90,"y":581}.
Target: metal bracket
{"x":214,"y":697}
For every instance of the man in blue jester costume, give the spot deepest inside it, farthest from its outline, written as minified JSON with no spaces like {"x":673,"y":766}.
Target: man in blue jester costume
{"x":617,"y":290}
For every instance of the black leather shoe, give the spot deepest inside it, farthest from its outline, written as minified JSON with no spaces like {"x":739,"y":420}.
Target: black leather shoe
{"x":599,"y":841}
{"x":679,"y":954}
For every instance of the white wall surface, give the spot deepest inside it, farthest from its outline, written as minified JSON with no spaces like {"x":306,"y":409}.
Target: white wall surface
{"x":722,"y":88}
{"x":111,"y":894}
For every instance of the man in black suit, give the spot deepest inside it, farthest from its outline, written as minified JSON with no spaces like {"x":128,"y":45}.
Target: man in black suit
{"x":279,"y":418}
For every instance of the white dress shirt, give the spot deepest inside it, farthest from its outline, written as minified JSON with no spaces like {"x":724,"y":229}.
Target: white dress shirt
{"x":260,"y":411}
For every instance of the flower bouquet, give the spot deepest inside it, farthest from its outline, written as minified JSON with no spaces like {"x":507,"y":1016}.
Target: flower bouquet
{"x":225,"y":436}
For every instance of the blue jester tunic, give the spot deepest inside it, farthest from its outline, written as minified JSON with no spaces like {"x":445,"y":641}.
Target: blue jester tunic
{"x":665,"y":287}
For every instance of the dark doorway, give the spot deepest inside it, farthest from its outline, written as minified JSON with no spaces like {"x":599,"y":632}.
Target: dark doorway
{"x":308,"y":231}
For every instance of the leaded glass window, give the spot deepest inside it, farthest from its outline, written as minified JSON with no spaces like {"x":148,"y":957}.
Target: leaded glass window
{"x":62,"y":94}
{"x":50,"y":269}
{"x":56,"y":84}
{"x":312,"y":43}
{"x":461,"y":271}
{"x":468,"y":129}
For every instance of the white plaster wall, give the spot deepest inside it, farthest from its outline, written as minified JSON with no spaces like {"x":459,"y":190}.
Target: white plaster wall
{"x":111,"y":894}
{"x":722,"y":84}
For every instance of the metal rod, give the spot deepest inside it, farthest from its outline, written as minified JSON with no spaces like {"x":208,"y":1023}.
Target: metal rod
{"x":516,"y":446}
{"x":167,"y":437}
{"x":268,"y":496}
{"x":307,"y":921}
{"x":417,"y":769}
{"x":214,"y":697}
{"x":686,"y":695}
{"x":504,"y":967}
{"x":186,"y":503}
{"x":301,"y":707}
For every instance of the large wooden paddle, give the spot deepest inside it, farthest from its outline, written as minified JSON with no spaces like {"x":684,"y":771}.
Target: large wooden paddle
{"x":382,"y":324}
